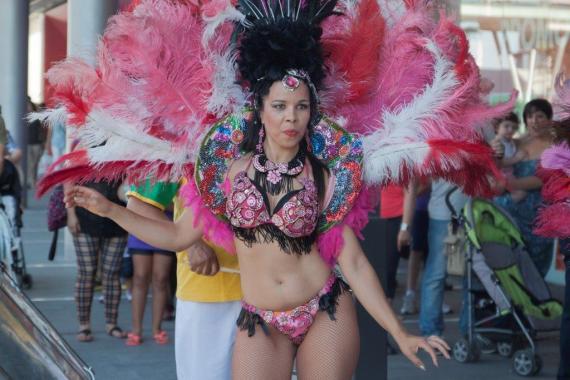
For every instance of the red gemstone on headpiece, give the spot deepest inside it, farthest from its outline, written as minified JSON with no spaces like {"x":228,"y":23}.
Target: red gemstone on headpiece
{"x":292,"y":82}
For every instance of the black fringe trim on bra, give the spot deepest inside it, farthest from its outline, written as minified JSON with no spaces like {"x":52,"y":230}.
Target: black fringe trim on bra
{"x":328,"y":302}
{"x":285,"y":185}
{"x":269,"y":233}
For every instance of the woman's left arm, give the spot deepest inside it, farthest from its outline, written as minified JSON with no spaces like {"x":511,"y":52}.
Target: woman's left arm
{"x":366,"y":286}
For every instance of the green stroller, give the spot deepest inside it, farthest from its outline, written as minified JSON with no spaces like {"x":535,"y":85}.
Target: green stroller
{"x":516,"y":294}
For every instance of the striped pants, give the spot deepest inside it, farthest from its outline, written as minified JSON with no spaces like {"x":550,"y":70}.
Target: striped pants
{"x":88,"y":248}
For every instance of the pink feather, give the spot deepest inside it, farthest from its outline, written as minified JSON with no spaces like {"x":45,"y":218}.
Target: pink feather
{"x":552,"y":221}
{"x":331,"y":242}
{"x":353,"y":47}
{"x":428,"y":89}
{"x":215,"y":230}
{"x":557,"y":157}
{"x":73,"y":83}
{"x":154,"y":77}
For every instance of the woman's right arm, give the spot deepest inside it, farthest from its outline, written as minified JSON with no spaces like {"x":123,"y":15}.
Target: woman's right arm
{"x":164,"y":234}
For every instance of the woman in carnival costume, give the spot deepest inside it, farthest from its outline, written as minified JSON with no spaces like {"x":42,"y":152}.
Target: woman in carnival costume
{"x":275,"y":179}
{"x":553,"y":219}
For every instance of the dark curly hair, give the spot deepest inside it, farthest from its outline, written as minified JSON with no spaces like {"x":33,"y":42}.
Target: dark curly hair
{"x":537,"y":105}
{"x":267,"y":51}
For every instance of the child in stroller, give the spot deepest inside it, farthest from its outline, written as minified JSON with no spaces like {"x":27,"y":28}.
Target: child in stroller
{"x":11,"y":247}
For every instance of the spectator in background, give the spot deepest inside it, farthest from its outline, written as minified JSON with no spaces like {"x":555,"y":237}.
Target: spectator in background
{"x":94,"y":236}
{"x":151,"y":266}
{"x":36,"y":138}
{"x":413,"y":234}
{"x":505,"y":129}
{"x":537,"y":116}
{"x":435,"y":271}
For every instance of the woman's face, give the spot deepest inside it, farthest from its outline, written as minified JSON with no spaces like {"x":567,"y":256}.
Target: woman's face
{"x":537,"y":123}
{"x":286,"y":114}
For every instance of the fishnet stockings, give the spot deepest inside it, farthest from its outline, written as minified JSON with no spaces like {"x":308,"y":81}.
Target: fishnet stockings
{"x":329,"y":351}
{"x":262,"y":356}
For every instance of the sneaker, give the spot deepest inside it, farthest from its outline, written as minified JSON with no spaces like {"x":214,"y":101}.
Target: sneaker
{"x":409,"y":305}
{"x":101,"y":299}
{"x":128,"y":295}
{"x":446,"y":309}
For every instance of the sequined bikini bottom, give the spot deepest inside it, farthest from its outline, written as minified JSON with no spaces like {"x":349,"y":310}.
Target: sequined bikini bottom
{"x":294,"y":323}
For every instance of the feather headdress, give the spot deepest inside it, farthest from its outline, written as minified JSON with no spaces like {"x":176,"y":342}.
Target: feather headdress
{"x":140,"y":111}
{"x":385,"y":70}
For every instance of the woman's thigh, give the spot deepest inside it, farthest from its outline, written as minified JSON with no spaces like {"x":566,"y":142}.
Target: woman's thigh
{"x":262,"y":356}
{"x":330,"y":349}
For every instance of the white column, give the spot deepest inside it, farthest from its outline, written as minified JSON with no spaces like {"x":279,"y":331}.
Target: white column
{"x":86,"y":21}
{"x":14,"y":69}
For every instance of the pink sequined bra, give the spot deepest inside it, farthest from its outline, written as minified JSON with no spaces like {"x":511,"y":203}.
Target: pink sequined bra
{"x":292,"y":223}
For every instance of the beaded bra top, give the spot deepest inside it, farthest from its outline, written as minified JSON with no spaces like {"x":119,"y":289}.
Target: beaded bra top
{"x":340,"y":151}
{"x":292,"y":222}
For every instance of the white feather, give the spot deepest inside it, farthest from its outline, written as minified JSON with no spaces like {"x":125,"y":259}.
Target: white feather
{"x":53,"y":116}
{"x":123,"y":141}
{"x":227,"y":95}
{"x":384,"y":163}
{"x":212,"y":23}
{"x":392,"y":11}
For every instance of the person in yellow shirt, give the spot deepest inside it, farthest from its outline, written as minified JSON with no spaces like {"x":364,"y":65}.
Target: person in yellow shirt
{"x":208,"y":294}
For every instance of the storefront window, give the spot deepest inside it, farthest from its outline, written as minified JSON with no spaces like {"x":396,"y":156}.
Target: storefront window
{"x":519,"y":44}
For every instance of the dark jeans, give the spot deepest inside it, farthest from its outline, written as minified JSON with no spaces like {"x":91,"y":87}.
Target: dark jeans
{"x":564,"y":369}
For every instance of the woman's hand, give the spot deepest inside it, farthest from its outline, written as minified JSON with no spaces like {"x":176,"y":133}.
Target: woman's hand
{"x":410,"y":345}
{"x":89,"y":199}
{"x":202,"y":259}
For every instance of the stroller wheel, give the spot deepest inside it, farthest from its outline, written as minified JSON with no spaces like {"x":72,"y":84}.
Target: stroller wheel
{"x":526,"y":362}
{"x":537,"y":364}
{"x":505,"y":349}
{"x":464,"y":352}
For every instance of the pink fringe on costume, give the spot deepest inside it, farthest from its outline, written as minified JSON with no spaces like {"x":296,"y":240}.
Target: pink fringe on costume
{"x":216,"y":231}
{"x":331,"y":242}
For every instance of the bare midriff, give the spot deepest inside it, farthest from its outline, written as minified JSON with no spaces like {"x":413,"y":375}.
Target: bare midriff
{"x":273,"y":280}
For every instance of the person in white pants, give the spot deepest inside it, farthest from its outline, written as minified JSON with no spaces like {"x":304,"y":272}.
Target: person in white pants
{"x":208,"y":299}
